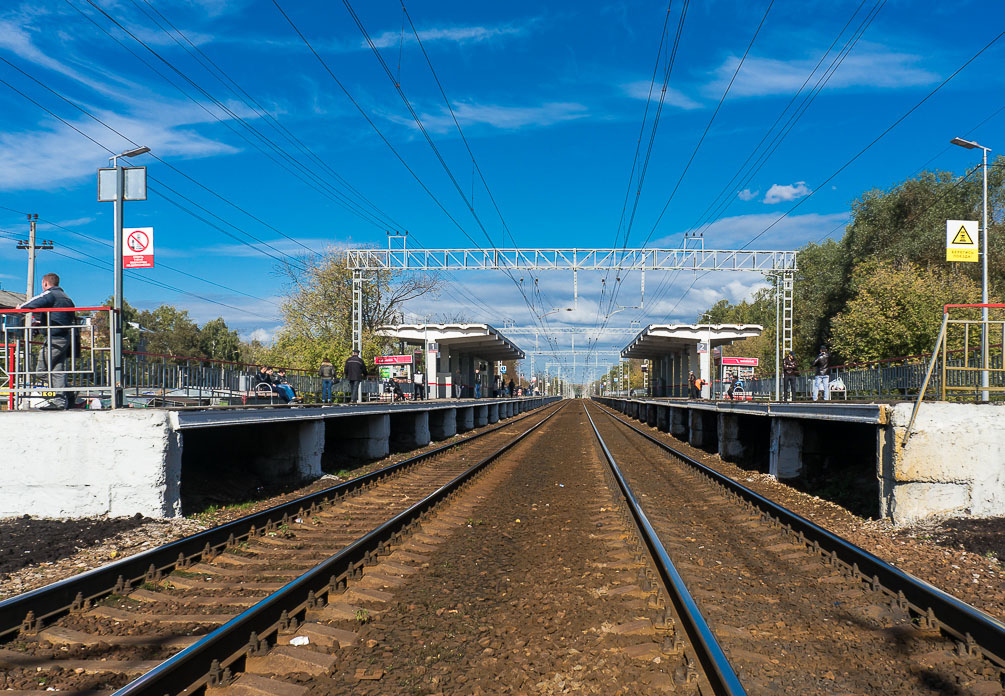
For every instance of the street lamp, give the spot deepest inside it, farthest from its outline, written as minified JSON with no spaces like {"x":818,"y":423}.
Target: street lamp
{"x":971,"y":145}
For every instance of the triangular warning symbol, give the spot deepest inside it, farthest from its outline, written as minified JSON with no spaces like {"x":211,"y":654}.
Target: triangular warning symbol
{"x":962,"y":237}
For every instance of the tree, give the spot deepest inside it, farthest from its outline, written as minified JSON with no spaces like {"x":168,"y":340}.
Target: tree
{"x":896,"y":311}
{"x":131,"y":335}
{"x":172,"y":332}
{"x":218,"y":342}
{"x":317,"y":308}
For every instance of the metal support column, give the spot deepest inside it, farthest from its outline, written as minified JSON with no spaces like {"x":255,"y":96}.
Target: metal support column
{"x":357,"y":311}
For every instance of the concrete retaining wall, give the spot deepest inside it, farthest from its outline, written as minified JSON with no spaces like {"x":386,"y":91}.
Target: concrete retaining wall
{"x":88,"y":463}
{"x":953,"y":463}
{"x":119,"y":463}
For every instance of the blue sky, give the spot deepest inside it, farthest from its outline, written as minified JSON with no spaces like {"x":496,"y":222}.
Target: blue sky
{"x":550,"y":97}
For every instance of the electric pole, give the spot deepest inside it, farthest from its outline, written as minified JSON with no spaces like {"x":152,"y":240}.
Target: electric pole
{"x":30,"y":245}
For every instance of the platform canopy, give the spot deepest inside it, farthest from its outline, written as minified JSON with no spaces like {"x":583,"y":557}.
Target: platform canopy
{"x":658,"y":340}
{"x":478,"y":339}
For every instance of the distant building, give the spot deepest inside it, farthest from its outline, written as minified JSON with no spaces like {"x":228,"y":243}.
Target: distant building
{"x":10,"y":300}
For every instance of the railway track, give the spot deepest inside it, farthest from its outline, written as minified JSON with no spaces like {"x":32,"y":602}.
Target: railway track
{"x":191,"y":613}
{"x":794,"y":608}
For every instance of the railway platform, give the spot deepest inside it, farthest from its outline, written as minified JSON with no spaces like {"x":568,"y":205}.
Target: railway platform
{"x":122,"y":462}
{"x":950,"y":464}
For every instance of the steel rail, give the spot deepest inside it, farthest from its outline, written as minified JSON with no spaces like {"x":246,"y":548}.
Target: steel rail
{"x":718,"y":671}
{"x":974,"y":629}
{"x":249,"y":631}
{"x":29,"y":610}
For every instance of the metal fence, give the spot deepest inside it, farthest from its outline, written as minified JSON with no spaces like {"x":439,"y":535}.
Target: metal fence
{"x":894,"y":379}
{"x":149,"y":379}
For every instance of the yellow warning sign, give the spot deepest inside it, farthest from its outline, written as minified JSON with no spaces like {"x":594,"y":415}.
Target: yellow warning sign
{"x":961,"y":241}
{"x":962,"y":237}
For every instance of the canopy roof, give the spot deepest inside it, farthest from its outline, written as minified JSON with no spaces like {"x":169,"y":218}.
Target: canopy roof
{"x":478,"y":339}
{"x":657,"y":340}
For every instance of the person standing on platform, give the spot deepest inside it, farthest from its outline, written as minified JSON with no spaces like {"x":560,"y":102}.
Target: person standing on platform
{"x":458,"y":387}
{"x":791,"y":371}
{"x":511,"y":389}
{"x":354,"y":371}
{"x":478,"y":383}
{"x":821,"y":377}
{"x":732,"y":385}
{"x":417,"y":385}
{"x":58,"y":339}
{"x":692,"y":385}
{"x":327,"y":374}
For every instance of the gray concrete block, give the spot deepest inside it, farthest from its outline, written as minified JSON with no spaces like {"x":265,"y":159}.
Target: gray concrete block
{"x":357,"y":438}
{"x":88,"y":463}
{"x":663,"y":418}
{"x":409,"y":431}
{"x":465,"y":418}
{"x":679,"y":421}
{"x":443,"y":423}
{"x":493,"y":413}
{"x":785,"y":456}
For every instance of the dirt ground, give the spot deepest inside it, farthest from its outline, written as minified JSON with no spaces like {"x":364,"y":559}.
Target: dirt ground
{"x":529,"y":592}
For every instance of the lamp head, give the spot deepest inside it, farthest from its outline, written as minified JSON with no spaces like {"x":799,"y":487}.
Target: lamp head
{"x":136,"y":152}
{"x":969,"y":144}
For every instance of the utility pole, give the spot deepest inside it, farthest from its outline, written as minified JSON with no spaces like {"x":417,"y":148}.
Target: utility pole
{"x":30,"y":245}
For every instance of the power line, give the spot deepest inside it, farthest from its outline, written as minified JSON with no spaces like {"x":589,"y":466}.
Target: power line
{"x":314,"y":184}
{"x":667,"y":282}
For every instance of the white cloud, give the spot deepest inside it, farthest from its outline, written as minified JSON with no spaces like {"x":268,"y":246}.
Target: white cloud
{"x":264,"y":336}
{"x":747,"y":195}
{"x":867,"y":67}
{"x":779,"y":193}
{"x":788,"y":232}
{"x":461,"y":35}
{"x":640,"y":90}
{"x":496,"y":116}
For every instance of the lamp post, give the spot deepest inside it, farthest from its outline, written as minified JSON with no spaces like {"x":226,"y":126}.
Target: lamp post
{"x":971,"y":145}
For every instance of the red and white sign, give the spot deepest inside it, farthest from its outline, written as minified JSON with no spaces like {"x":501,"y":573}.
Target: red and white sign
{"x":137,"y":247}
{"x":393,"y":360}
{"x":743,"y":362}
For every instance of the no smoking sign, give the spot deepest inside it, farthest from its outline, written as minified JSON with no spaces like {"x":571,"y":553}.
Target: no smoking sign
{"x":138,"y":247}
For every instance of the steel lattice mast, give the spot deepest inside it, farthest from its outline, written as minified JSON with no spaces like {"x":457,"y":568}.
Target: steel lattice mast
{"x":780,"y":265}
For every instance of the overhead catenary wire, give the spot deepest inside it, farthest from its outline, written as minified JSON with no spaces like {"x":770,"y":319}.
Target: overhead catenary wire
{"x":364,"y":207}
{"x":252,"y":136}
{"x":667,"y":282}
{"x":614,"y":293}
{"x":869,"y":145}
{"x":384,"y":138}
{"x":279,"y":256}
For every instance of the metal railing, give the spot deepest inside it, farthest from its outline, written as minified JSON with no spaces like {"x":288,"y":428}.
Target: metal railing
{"x":148,"y":379}
{"x":42,"y":362}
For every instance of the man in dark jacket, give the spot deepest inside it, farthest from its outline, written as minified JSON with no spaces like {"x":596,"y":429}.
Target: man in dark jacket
{"x":60,"y":342}
{"x":791,"y":371}
{"x":821,"y":377}
{"x":354,"y":371}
